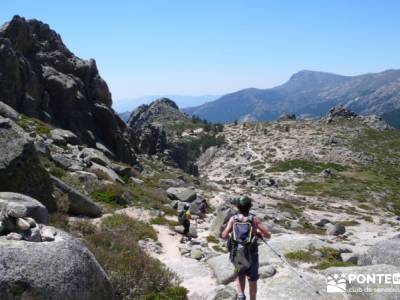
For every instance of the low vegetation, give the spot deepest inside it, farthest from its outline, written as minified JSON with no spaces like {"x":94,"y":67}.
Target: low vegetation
{"x":35,"y":125}
{"x":306,"y":165}
{"x":320,"y":258}
{"x":376,"y":182}
{"x":133,"y":273}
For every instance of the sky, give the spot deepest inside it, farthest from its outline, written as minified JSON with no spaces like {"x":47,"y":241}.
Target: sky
{"x":209,"y":47}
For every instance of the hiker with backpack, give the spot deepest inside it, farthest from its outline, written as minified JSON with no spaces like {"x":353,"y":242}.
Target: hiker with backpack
{"x":184,"y":217}
{"x":242,"y":230}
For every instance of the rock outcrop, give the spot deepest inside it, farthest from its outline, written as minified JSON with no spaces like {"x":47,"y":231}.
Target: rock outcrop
{"x":31,"y":207}
{"x":60,"y":269}
{"x":41,"y":78}
{"x":20,"y":169}
{"x":153,"y":128}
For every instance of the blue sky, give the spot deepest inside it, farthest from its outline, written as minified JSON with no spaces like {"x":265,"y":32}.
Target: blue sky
{"x":154,"y":47}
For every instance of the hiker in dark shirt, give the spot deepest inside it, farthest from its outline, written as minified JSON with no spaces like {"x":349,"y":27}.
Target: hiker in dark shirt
{"x":245,"y":218}
{"x":203,"y":208}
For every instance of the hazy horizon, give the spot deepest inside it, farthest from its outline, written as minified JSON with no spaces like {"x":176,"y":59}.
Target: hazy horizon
{"x":213,"y":48}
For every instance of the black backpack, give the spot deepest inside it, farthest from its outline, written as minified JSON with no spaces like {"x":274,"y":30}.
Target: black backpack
{"x":242,"y":243}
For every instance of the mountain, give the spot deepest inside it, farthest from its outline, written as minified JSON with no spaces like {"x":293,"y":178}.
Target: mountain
{"x":180,"y":100}
{"x":308,"y":93}
{"x":42,"y":78}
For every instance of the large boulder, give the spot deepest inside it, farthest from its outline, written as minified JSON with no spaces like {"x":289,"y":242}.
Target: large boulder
{"x":34,"y":209}
{"x":223,"y":213}
{"x":182,"y":194}
{"x":61,"y":269}
{"x":20,"y":168}
{"x":8,"y":112}
{"x":222,"y":268}
{"x":78,"y":204}
{"x":41,"y":78}
{"x":384,"y":252}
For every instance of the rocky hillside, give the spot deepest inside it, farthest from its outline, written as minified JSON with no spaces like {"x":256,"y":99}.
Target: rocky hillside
{"x":41,"y":78}
{"x":308,"y":93}
{"x":160,"y":128}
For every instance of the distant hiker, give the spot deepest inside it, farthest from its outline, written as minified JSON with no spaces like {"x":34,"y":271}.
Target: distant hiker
{"x":184,"y":219}
{"x":242,"y":231}
{"x":203,"y":208}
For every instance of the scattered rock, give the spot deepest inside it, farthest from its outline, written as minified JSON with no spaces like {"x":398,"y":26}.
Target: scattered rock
{"x":19,"y":206}
{"x":349,"y":257}
{"x":13,"y":236}
{"x":196,"y":254}
{"x":79,"y":204}
{"x":322,"y":222}
{"x":225,"y":293}
{"x":287,"y":117}
{"x":22,"y":224}
{"x":63,"y":137}
{"x":267,"y":271}
{"x":8,"y":112}
{"x":172,"y":182}
{"x":335,"y":229}
{"x":181,"y":194}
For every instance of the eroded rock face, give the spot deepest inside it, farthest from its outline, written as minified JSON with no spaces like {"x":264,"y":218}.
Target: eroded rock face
{"x":43,"y":79}
{"x":60,"y":269}
{"x":150,"y":129}
{"x":20,"y":169}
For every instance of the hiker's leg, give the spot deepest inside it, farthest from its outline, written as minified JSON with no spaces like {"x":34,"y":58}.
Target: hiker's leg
{"x":253,"y":289}
{"x":241,"y":284}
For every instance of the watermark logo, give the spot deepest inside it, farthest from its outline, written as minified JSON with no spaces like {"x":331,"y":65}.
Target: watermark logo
{"x":336,"y":283}
{"x":366,"y":283}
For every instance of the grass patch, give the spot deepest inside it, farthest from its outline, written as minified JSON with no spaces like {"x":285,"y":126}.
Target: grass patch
{"x":285,"y":206}
{"x":111,"y":194}
{"x":33,"y":124}
{"x":306,"y":165}
{"x":212,"y":239}
{"x":218,"y":248}
{"x":349,"y":223}
{"x":376,"y":182}
{"x":326,"y":257}
{"x":327,"y":264}
{"x":133,"y":273}
{"x":164,"y":221}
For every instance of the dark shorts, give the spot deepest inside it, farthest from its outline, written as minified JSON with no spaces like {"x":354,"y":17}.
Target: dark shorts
{"x":186,"y":226}
{"x":252,"y":272}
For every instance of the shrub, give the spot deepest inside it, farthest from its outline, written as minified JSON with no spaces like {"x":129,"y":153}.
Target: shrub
{"x":133,"y":273}
{"x":111,"y":194}
{"x":306,"y":165}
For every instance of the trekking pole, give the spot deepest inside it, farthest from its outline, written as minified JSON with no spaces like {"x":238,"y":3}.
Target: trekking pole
{"x":291,"y":267}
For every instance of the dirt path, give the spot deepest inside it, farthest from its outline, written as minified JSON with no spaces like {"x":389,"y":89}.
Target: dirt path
{"x":195,"y":275}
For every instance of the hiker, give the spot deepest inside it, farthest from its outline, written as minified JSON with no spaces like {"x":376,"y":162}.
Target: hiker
{"x":242,"y":230}
{"x":184,"y":219}
{"x":203,"y":208}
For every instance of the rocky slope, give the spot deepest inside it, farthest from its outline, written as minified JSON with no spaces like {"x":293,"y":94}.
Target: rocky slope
{"x":308,"y":93}
{"x":41,"y":78}
{"x":161,"y":129}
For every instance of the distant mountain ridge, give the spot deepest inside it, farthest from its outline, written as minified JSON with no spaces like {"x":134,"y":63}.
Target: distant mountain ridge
{"x":182,"y":101}
{"x":308,"y":93}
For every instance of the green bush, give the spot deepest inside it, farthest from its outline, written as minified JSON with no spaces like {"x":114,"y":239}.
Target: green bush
{"x":173,"y":293}
{"x":306,"y":165}
{"x":133,"y":273}
{"x":111,"y":194}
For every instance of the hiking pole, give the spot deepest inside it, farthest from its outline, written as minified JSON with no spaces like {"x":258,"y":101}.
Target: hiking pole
{"x":291,"y":267}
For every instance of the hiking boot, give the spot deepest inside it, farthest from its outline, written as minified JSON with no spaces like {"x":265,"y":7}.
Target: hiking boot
{"x":241,"y":297}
